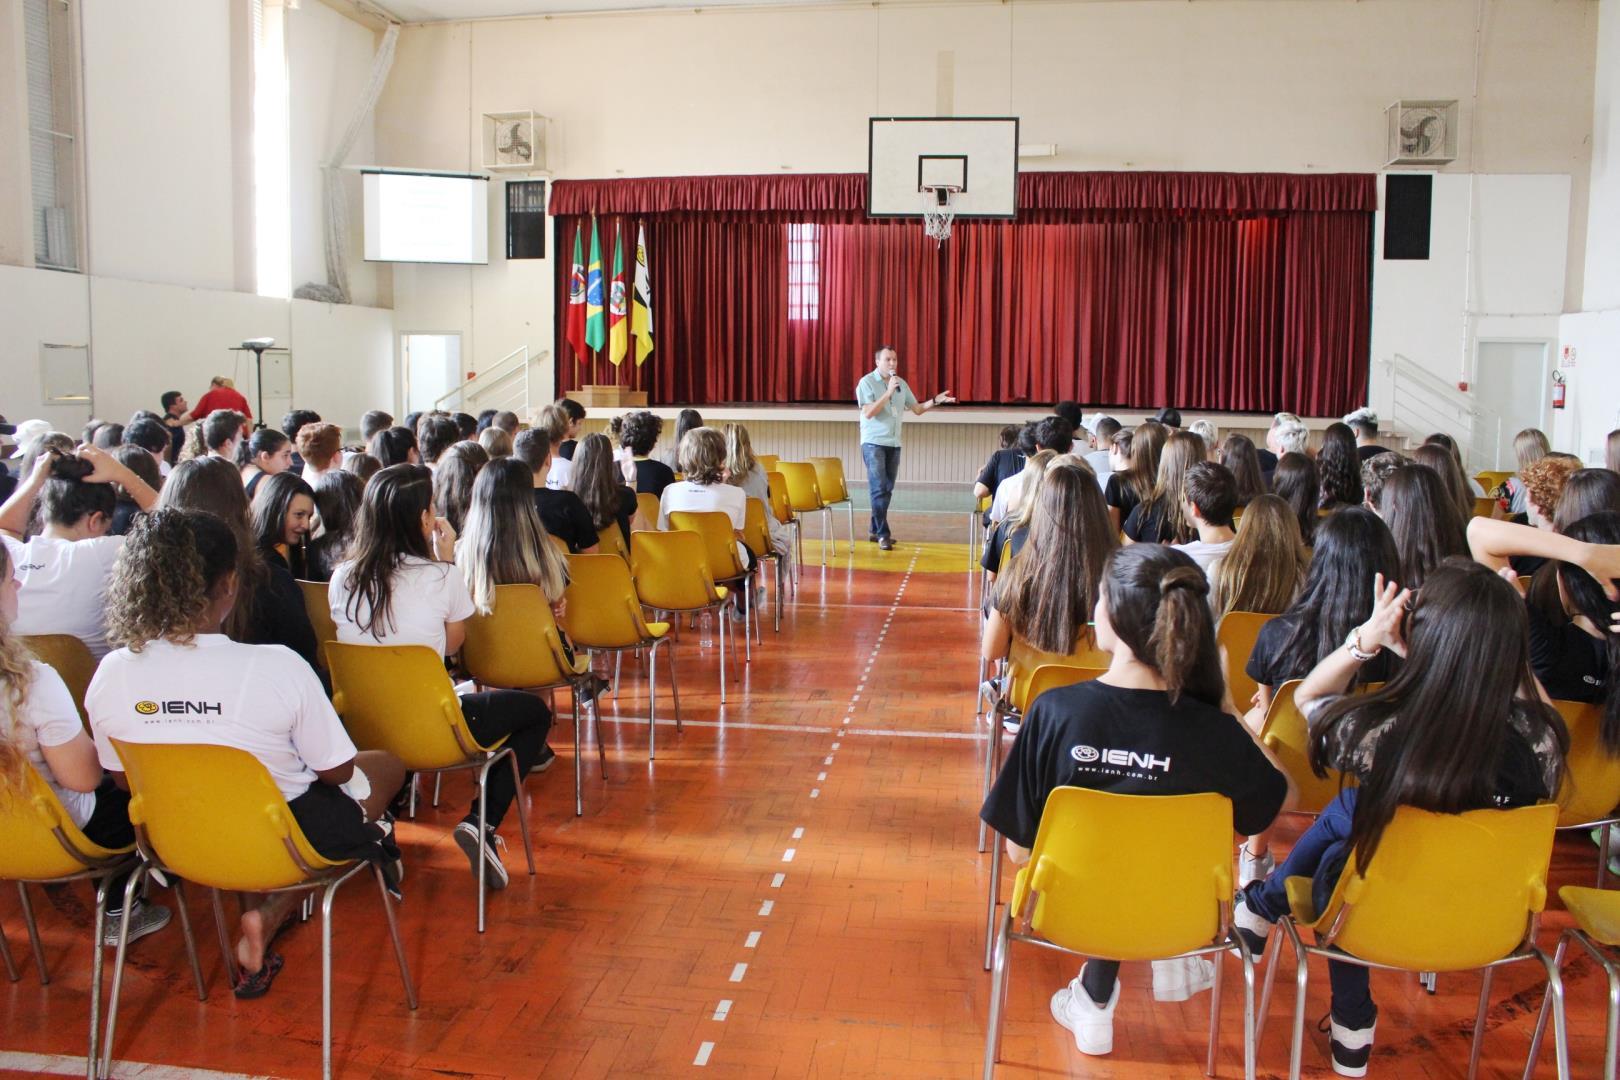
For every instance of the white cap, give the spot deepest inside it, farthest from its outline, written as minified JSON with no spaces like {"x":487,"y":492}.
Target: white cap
{"x":1090,"y":422}
{"x":29,"y":432}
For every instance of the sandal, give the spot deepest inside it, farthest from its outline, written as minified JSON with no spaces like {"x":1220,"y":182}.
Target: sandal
{"x":257,"y":984}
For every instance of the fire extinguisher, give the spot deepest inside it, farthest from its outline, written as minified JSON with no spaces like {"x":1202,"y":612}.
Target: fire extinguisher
{"x":1560,"y":390}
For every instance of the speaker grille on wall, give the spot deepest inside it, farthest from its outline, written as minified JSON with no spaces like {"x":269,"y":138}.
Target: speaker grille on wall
{"x":1407,"y":199}
{"x":525,"y":219}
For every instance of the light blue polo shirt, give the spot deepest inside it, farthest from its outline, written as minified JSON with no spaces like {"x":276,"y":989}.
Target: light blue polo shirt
{"x":884,"y":428}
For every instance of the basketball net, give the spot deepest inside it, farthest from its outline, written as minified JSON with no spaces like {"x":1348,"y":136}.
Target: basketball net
{"x":938,"y":213}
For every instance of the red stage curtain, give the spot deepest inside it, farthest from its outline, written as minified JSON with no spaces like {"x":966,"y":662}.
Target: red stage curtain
{"x":1193,"y":298}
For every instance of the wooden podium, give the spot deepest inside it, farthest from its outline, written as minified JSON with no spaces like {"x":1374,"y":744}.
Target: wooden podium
{"x":609,"y":397}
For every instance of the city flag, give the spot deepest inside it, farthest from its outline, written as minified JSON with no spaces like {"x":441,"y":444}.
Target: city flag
{"x":616,"y":303}
{"x":576,"y":302}
{"x":641,"y":316}
{"x":595,"y":330}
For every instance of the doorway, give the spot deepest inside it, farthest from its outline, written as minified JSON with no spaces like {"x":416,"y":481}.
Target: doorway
{"x":1510,"y":391}
{"x":430,"y":368}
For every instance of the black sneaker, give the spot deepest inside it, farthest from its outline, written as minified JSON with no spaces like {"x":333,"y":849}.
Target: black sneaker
{"x":886,"y":544}
{"x":488,"y":853}
{"x":1351,"y":1047}
{"x":547,"y":757}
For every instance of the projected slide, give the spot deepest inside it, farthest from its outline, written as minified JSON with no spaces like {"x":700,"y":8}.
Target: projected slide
{"x":416,"y":217}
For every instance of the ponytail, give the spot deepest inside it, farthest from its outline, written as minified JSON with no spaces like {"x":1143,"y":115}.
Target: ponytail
{"x":1587,"y":598}
{"x":1182,"y":625}
{"x":1158,"y":605}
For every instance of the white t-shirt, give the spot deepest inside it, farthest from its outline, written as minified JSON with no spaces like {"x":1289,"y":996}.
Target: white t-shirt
{"x":217,"y":692}
{"x":1098,"y":460}
{"x":426,"y":596}
{"x":703,"y":498}
{"x":561,"y":475}
{"x":64,"y":587}
{"x":1006,"y":492}
{"x":50,"y":719}
{"x":1206,"y":555}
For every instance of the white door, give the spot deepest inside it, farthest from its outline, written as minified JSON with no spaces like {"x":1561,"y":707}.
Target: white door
{"x":1510,"y":389}
{"x":432,"y":368}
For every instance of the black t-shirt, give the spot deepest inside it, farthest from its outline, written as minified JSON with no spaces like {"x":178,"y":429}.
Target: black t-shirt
{"x":1268,"y":460}
{"x":1130,"y":742}
{"x":1001,"y":534}
{"x":124,"y":511}
{"x":279,"y":615}
{"x":1369,"y":452}
{"x":1267,"y":667}
{"x":653,"y":476}
{"x":1006,"y":462}
{"x":177,"y":440}
{"x":1571,"y":664}
{"x":1149,"y":524}
{"x":564,"y":515}
{"x":8,"y":484}
{"x":566,"y":449}
{"x":1120,"y":495}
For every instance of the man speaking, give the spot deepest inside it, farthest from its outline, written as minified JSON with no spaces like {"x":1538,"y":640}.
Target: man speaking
{"x":883,"y":396}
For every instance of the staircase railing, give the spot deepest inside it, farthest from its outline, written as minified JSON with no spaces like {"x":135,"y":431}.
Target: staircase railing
{"x":504,"y":385}
{"x":1422,"y":402}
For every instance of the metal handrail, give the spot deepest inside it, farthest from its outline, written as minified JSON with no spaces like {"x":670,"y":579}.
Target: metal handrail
{"x":1429,"y":401}
{"x":514,"y":363}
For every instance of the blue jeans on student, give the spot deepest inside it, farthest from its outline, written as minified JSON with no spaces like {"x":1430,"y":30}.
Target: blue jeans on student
{"x":882,"y":466}
{"x":1320,"y":854}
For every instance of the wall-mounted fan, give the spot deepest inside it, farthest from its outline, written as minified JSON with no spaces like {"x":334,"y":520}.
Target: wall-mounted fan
{"x":1422,"y":132}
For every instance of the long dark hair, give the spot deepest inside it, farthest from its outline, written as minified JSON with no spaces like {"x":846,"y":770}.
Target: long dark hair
{"x":1444,"y":720}
{"x":597,"y":480}
{"x":1423,"y":520}
{"x":1451,"y":475}
{"x":214,"y":485}
{"x":1294,"y":481}
{"x":337,"y":502}
{"x":271,"y":505}
{"x":1352,"y":547}
{"x":1182,"y":450}
{"x":1586,"y":597}
{"x":686,"y":421}
{"x":1338,"y":468}
{"x":388,"y":531}
{"x":266,"y":440}
{"x":1049,"y":592}
{"x":392,"y":446}
{"x":1147,"y":443}
{"x":453,"y":480}
{"x":1239,"y":455}
{"x":1158,"y":605}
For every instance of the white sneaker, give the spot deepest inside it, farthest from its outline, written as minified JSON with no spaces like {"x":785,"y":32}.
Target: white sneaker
{"x":1252,"y":926}
{"x":1351,"y":1047}
{"x":1091,"y":1024}
{"x":1182,"y":977}
{"x":1252,"y":869}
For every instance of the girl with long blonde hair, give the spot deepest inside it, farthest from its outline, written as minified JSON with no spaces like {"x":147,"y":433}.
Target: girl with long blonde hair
{"x":1159,"y":518}
{"x":1012,"y":528}
{"x":1265,"y":565}
{"x":504,"y":542}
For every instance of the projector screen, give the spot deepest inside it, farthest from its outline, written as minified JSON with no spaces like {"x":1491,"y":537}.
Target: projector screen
{"x":426,"y":218}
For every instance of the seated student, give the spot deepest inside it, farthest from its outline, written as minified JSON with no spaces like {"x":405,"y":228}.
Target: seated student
{"x":40,"y":725}
{"x":151,"y":436}
{"x":486,"y":419}
{"x":744,"y":470}
{"x":1162,"y":695}
{"x":174,"y":588}
{"x":65,"y":569}
{"x":1052,"y":433}
{"x":436,"y":433}
{"x":601,"y":487}
{"x":1375,"y":474}
{"x":1338,"y":469}
{"x":1159,"y":518}
{"x":320,"y":446}
{"x":466,"y":424}
{"x":363,"y":465}
{"x":1132,"y":481}
{"x":1238,"y":455}
{"x":1287,"y":435}
{"x":1294,"y":481}
{"x":1423,"y":520}
{"x":108,"y":436}
{"x":1529,"y":447}
{"x":283,"y":517}
{"x":1046,"y":598}
{"x":222,"y":435}
{"x":1207,"y":431}
{"x":142,"y":464}
{"x":1264,"y":567}
{"x":552,"y":422}
{"x":561,"y":512}
{"x":1364,"y":424}
{"x":266,"y":453}
{"x":292,"y":424}
{"x":686,"y":420}
{"x":221,"y":394}
{"x":269,"y":608}
{"x":703,"y":461}
{"x":337,"y":504}
{"x":1451,"y":477}
{"x":1006,"y":461}
{"x":1024,"y":448}
{"x":496,"y":442}
{"x":453,"y":481}
{"x":1011,"y":529}
{"x":372,"y":422}
{"x":575,"y":414}
{"x":394,"y":446}
{"x":507,"y":421}
{"x":1208,"y":497}
{"x":401,"y":587}
{"x":1459,"y":727}
{"x":1101,"y":440}
{"x":1544,"y":483}
{"x":1449,"y":445}
{"x":638,"y":434}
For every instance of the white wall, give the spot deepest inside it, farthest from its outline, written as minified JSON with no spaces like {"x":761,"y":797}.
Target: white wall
{"x":39,"y":306}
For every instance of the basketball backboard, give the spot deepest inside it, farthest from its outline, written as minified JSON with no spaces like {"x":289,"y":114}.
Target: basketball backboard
{"x":977,"y":155}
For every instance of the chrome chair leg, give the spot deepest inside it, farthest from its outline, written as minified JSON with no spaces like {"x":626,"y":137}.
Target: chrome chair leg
{"x":1214,"y":1014}
{"x":438,"y":779}
{"x":595,"y":705}
{"x":674,"y":688}
{"x":130,"y":889}
{"x":393,"y":933}
{"x":1556,"y":964}
{"x":523,"y":818}
{"x":483,"y":818}
{"x":778,"y":592}
{"x":998,"y":998}
{"x":652,"y":703}
{"x":579,"y":774}
{"x":1301,"y":973}
{"x":5,"y":958}
{"x":994,"y":897}
{"x":33,"y":934}
{"x":98,"y":926}
{"x":326,"y":976}
{"x":1479,"y":1023}
{"x":849,"y":504}
{"x":721,"y":616}
{"x":225,"y":950}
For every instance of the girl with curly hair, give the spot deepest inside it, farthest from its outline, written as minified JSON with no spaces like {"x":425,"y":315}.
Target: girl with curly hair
{"x":1338,"y":469}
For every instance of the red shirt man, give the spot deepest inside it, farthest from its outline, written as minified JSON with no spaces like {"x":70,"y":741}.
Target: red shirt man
{"x":222,"y":394}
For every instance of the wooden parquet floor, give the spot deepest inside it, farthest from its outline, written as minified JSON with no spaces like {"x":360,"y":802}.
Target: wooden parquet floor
{"x":790,"y":890}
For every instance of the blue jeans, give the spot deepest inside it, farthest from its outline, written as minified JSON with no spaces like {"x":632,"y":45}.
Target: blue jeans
{"x":1320,"y":855}
{"x":882,"y":466}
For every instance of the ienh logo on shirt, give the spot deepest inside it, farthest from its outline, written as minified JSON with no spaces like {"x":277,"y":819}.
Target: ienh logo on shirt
{"x":1125,"y":759}
{"x":179,"y":708}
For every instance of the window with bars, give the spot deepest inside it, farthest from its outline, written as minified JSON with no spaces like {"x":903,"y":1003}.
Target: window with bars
{"x":53,"y":125}
{"x":804,"y":273}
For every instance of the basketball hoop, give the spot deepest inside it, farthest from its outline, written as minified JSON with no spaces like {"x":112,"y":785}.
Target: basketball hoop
{"x":937,"y":211}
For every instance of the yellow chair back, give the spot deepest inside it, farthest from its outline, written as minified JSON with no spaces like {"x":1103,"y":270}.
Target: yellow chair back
{"x":1591,"y":788}
{"x":1491,"y":479}
{"x":517,"y":646}
{"x":767,"y":462}
{"x":29,"y":849}
{"x":803,"y":490}
{"x":1445,"y":892}
{"x":830,"y":478}
{"x":213,"y":815}
{"x":1129,"y":877}
{"x":983,"y":505}
{"x":719,"y":540}
{"x":399,"y":698}
{"x":1023,"y":661}
{"x":672,"y":571}
{"x":781,"y":505}
{"x":756,"y":532}
{"x":647,"y":504}
{"x":1052,"y":676}
{"x":1237,"y":632}
{"x":558,"y":542}
{"x":1285,"y":734}
{"x":320,"y":615}
{"x":1484,"y":506}
{"x":603,"y":611}
{"x":71,"y":659}
{"x":610,"y":541}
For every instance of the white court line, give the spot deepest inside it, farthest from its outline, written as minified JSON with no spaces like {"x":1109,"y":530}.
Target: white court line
{"x":798,"y":834}
{"x":753,"y":940}
{"x":722,"y":1011}
{"x":703,"y":1054}
{"x":61,"y":1065}
{"x":815,"y":793}
{"x":787,"y":856}
{"x":738,"y":971}
{"x":821,"y":776}
{"x":776,"y":882}
{"x":766,"y":907}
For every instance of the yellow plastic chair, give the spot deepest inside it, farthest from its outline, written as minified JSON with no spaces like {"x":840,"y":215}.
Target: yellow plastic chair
{"x":1236,"y":633}
{"x":1597,"y":926}
{"x":976,"y":529}
{"x":1127,"y":877}
{"x":559,"y":543}
{"x":1484,"y":506}
{"x":72,"y":660}
{"x":1445,"y":892}
{"x":1591,"y":789}
{"x":757,"y":534}
{"x":648,"y":507}
{"x":610,"y":541}
{"x":399,"y":698}
{"x":672,"y":574}
{"x":1491,"y":479}
{"x":725,"y":564}
{"x":782,"y":511}
{"x":804,"y":496}
{"x":767,"y":462}
{"x":320,"y":616}
{"x":517,"y":647}
{"x":604,"y":615}
{"x":40,"y":845}
{"x":834,"y":492}
{"x":1285,"y":734}
{"x":212,"y":815}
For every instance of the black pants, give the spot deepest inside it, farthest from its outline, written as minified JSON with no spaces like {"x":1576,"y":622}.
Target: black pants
{"x":109,"y":826}
{"x":526,"y":720}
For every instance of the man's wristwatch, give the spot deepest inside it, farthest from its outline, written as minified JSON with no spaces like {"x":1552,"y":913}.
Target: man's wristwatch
{"x":1352,"y":644}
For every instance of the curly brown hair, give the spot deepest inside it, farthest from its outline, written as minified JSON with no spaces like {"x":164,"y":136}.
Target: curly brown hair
{"x":172,"y":560}
{"x":1544,"y":481}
